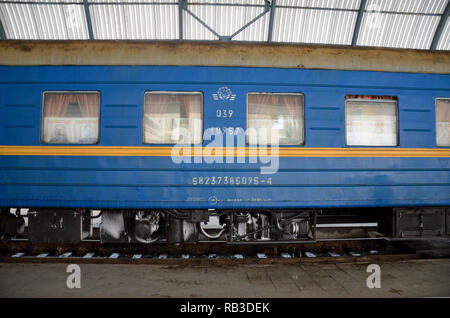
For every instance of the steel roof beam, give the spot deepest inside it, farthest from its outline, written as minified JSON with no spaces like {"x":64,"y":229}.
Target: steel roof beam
{"x":82,"y":2}
{"x":2,"y":32}
{"x":334,"y":9}
{"x":185,"y":8}
{"x":88,"y":19}
{"x":266,"y":9}
{"x":440,"y":27}
{"x":272,"y":17}
{"x":362,"y":6}
{"x":181,"y":4}
{"x":217,"y":4}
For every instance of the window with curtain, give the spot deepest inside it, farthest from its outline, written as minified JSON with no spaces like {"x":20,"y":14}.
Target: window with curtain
{"x":443,"y":122}
{"x":371,"y":121}
{"x":173,"y":117}
{"x":270,"y":113}
{"x":71,"y":118}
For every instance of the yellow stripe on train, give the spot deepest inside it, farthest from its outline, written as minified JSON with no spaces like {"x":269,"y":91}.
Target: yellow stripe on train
{"x":152,"y":151}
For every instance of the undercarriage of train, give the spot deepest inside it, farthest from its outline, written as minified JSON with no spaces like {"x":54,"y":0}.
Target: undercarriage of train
{"x":229,"y":226}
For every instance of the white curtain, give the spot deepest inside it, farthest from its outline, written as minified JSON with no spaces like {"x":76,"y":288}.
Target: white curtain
{"x":270,"y":112}
{"x":371,"y":122}
{"x":443,"y":122}
{"x":61,"y":128}
{"x":166,"y":113}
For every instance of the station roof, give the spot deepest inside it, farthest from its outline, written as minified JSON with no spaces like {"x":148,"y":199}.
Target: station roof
{"x":408,"y":24}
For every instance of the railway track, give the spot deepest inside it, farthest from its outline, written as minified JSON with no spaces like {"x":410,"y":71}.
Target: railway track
{"x":326,"y":251}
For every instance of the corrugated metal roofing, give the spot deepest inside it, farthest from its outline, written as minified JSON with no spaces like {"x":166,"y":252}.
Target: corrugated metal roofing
{"x":316,"y":21}
{"x":43,"y":21}
{"x":225,"y":19}
{"x":134,"y":22}
{"x":400,"y":23}
{"x":444,"y":42}
{"x":417,"y":24}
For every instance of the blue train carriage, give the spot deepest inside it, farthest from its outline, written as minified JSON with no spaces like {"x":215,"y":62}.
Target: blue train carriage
{"x":180,"y":142}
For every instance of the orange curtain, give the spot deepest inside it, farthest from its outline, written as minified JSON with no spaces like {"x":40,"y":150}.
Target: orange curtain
{"x":185,"y":111}
{"x":443,"y":110}
{"x":370,"y":97}
{"x":89,"y":104}
{"x":56,"y":104}
{"x":258,"y":102}
{"x":156,"y":103}
{"x":191,"y":106}
{"x":291,"y":103}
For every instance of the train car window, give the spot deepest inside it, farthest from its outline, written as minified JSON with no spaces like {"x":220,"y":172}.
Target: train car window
{"x":371,"y":120}
{"x":267,"y":112}
{"x":70,"y":117}
{"x":443,"y":122}
{"x":173,"y":117}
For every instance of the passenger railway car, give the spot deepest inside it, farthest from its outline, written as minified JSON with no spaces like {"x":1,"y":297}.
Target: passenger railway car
{"x":163,"y":138}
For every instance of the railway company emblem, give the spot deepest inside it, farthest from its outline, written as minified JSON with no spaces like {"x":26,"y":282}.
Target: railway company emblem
{"x":224,"y":93}
{"x":212,"y":200}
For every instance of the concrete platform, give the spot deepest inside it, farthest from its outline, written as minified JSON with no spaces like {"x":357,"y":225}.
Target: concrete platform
{"x":418,"y":278}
